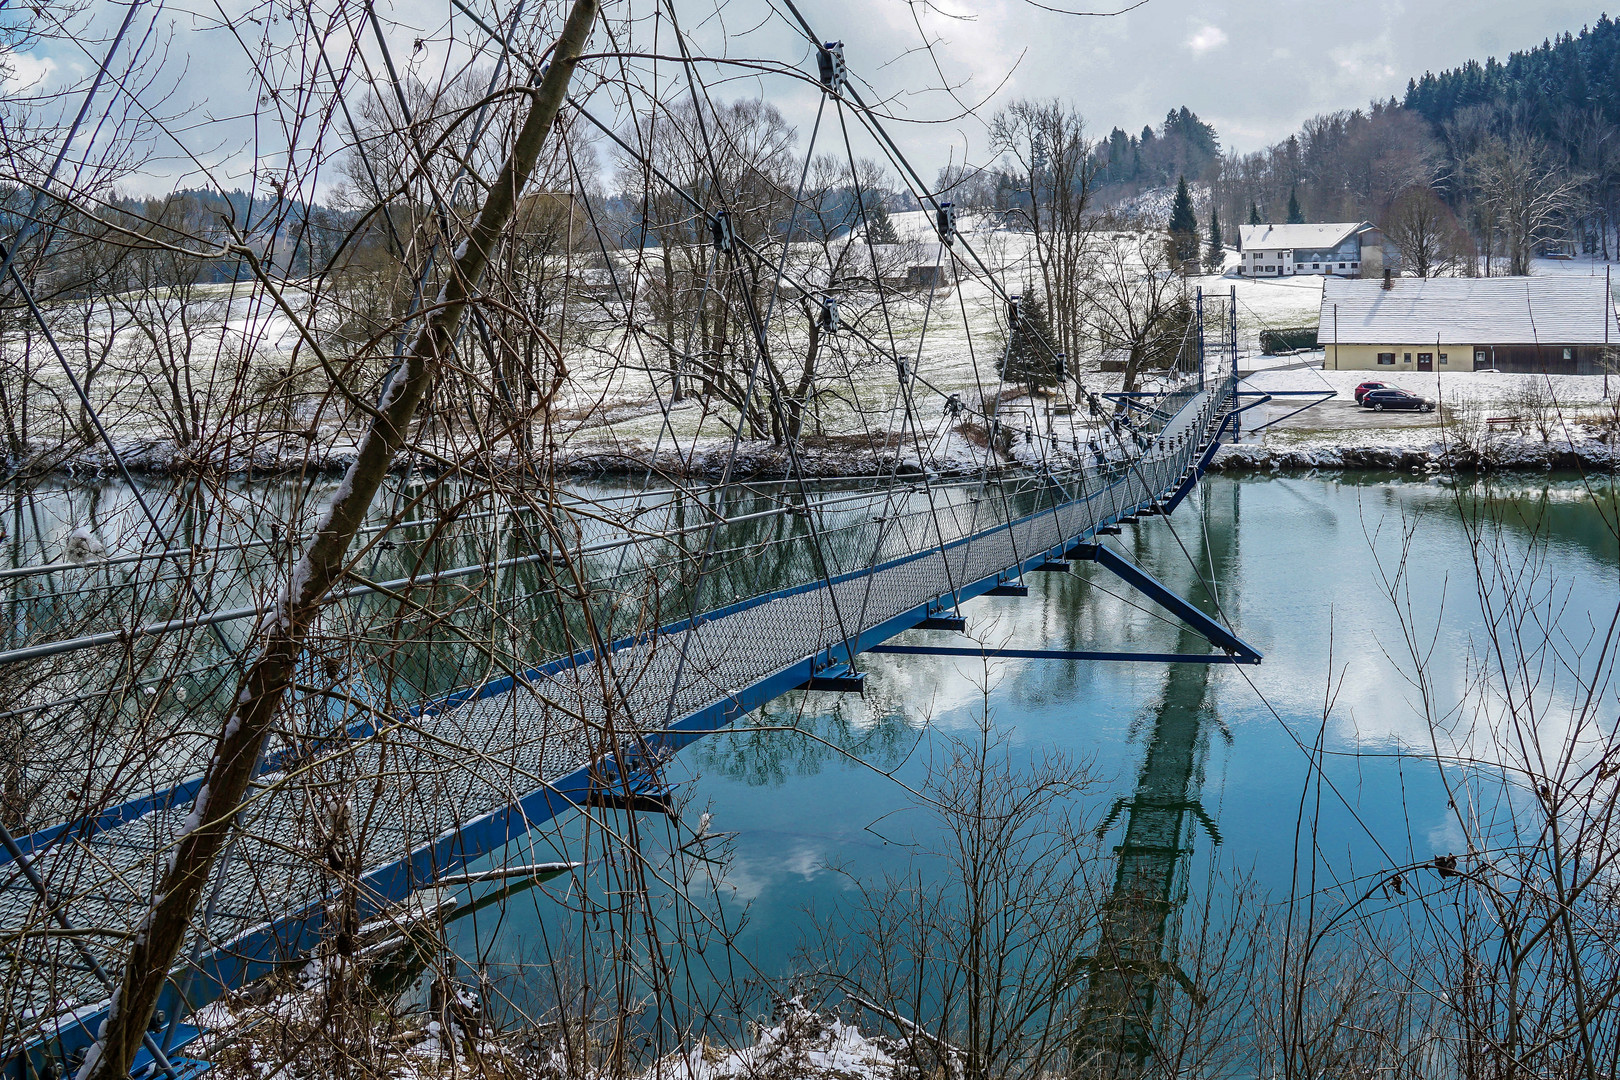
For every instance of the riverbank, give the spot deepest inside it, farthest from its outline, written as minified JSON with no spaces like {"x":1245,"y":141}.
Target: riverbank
{"x":1297,"y":417}
{"x":1588,"y":455}
{"x":765,"y":461}
{"x":1451,"y":441}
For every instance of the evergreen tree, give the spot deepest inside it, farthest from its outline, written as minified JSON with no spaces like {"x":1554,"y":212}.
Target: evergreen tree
{"x":879,"y":229}
{"x":1296,"y":216}
{"x":1029,"y":357}
{"x":1183,"y":226}
{"x":1254,"y":213}
{"x":1215,"y":254}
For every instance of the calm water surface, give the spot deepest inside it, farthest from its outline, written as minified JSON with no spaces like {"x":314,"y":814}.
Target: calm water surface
{"x":1299,"y":566}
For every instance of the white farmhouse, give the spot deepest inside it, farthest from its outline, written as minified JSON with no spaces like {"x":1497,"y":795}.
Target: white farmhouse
{"x":1336,"y":249}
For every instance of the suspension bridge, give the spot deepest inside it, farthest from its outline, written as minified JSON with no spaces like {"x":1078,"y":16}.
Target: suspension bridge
{"x":477,"y":745}
{"x":540,"y":734}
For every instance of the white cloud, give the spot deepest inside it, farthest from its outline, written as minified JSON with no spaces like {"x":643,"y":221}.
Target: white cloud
{"x":20,"y":71}
{"x":1207,"y":38}
{"x":1366,"y":61}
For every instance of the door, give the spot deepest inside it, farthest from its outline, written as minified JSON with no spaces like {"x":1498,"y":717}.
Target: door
{"x":1425,"y":361}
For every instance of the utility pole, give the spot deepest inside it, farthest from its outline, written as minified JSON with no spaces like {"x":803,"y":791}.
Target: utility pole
{"x":1199,"y":300}
{"x":1231,"y":320}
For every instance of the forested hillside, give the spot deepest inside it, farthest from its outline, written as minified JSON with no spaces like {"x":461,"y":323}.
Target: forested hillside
{"x":1576,"y":73}
{"x":1478,"y":169}
{"x":1482,"y":165}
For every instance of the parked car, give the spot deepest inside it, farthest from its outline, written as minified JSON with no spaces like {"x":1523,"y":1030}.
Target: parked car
{"x":1392,"y":398}
{"x":1362,"y":390}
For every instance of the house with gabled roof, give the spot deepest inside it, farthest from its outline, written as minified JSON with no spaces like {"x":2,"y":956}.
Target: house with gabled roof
{"x":1560,"y":324}
{"x":1333,"y":249}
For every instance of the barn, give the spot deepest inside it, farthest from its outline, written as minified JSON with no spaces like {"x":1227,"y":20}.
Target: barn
{"x":1558,"y":324}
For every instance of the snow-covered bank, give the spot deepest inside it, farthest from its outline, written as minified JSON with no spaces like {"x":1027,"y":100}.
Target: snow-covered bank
{"x":1587,"y":455}
{"x":708,"y":458}
{"x":268,"y":1039}
{"x":1402,"y":446}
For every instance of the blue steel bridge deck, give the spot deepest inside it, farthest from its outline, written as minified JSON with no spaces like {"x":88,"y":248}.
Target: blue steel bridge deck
{"x":457,"y":783}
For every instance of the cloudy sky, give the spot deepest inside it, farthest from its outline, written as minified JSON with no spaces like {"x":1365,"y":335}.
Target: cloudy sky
{"x":1254,"y":69}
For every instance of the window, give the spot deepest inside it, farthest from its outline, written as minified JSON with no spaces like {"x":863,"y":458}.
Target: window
{"x":1479,"y":357}
{"x":1354,"y":265}
{"x":1569,"y":354}
{"x":1406,"y":358}
{"x":1341,"y":266}
{"x":1386,"y":358}
{"x":1443,"y":359}
{"x":1316,"y":266}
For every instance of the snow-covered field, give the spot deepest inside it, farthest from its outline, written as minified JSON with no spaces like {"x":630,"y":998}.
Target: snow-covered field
{"x":614,"y":414}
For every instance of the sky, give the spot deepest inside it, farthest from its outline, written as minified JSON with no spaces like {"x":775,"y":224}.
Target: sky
{"x":1255,"y":69}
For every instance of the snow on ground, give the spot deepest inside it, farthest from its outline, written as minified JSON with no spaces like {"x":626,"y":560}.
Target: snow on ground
{"x":1511,"y":420}
{"x":614,"y":417}
{"x":800,"y":1045}
{"x":268,"y":1040}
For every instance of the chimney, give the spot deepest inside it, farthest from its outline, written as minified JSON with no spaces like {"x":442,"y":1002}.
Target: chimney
{"x":1389,"y":280}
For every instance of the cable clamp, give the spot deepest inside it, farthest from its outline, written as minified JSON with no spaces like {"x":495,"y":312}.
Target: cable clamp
{"x":829,"y":315}
{"x":830,"y":62}
{"x":720,"y":230}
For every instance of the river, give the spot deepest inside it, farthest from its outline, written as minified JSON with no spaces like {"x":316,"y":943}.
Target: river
{"x":1318,"y":572}
{"x":1366,"y":584}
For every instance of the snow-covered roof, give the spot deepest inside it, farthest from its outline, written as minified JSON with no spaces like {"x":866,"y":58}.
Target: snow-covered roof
{"x":1310,"y":237}
{"x":1562,"y":309}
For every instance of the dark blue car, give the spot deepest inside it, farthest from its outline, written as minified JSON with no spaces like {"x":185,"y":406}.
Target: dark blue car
{"x":1392,"y":398}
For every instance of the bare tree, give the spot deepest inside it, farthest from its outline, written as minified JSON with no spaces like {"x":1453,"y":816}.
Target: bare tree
{"x":1138,"y":304}
{"x":1526,"y":196}
{"x":1050,"y":156}
{"x":1427,"y":234}
{"x":979,"y":966}
{"x":268,"y":679}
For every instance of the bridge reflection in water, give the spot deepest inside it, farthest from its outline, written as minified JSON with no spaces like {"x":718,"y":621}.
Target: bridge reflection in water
{"x":1134,"y":960}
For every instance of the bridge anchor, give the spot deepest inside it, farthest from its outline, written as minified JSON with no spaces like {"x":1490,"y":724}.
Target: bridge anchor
{"x":1145,"y":583}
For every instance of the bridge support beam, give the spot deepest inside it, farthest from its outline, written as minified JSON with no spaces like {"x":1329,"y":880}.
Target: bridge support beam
{"x":839,"y":680}
{"x":1149,"y":586}
{"x":1060,"y":654}
{"x":943,"y":622}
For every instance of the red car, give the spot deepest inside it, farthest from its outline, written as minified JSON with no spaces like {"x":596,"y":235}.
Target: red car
{"x":1366,"y":387}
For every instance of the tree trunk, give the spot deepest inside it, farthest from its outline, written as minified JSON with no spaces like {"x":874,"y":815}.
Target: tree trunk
{"x":800,"y":401}
{"x":265,"y":684}
{"x":675,"y":395}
